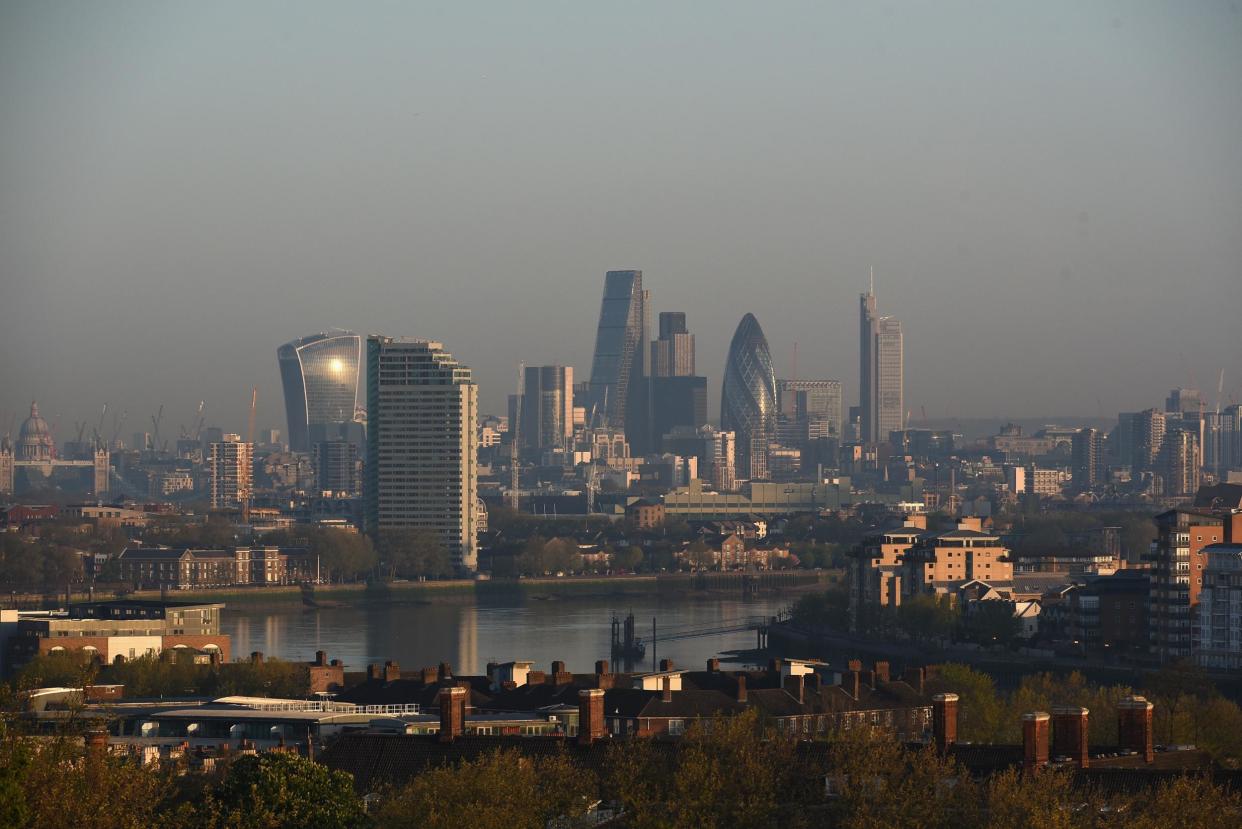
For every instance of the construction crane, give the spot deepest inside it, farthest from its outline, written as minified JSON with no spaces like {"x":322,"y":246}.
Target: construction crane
{"x":245,"y":501}
{"x":515,"y":436}
{"x":117,"y":422}
{"x":198,"y":425}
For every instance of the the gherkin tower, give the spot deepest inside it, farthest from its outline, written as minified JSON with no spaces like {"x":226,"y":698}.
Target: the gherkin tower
{"x":748,"y":398}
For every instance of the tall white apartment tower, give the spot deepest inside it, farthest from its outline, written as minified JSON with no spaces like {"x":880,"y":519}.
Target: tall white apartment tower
{"x":422,"y":466}
{"x":230,"y":466}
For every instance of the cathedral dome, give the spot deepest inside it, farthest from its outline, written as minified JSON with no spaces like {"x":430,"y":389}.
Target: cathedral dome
{"x":34,"y":439}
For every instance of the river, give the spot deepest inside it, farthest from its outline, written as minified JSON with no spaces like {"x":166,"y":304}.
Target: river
{"x":470,"y":632}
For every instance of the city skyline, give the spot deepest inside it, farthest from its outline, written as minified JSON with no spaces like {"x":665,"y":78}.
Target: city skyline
{"x":1064,"y":215}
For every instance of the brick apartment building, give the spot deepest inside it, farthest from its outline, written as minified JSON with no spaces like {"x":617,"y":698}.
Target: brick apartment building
{"x":183,"y":568}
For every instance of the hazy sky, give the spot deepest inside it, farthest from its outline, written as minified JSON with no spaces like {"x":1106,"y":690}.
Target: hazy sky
{"x":1050,"y":192}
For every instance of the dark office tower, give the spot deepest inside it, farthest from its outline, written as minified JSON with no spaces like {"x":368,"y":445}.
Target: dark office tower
{"x":673,"y":354}
{"x":1140,"y":437}
{"x":748,"y":398}
{"x":617,"y":369}
{"x":866,"y":364}
{"x":336,"y":467}
{"x":320,"y":378}
{"x":1183,"y":401}
{"x":547,"y":408}
{"x":1088,"y":459}
{"x":881,"y":380}
{"x":814,"y":404}
{"x":676,"y":401}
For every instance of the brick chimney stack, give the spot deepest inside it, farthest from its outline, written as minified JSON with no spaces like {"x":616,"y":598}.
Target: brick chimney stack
{"x":713,"y":666}
{"x":452,"y":713}
{"x":559,"y":675}
{"x":666,"y":694}
{"x":666,"y":664}
{"x":392,"y":671}
{"x":1134,"y":726}
{"x":794,"y":685}
{"x":374,"y":672}
{"x":882,"y":672}
{"x":1069,"y":734}
{"x":741,"y":688}
{"x":851,"y":682}
{"x":914,"y":677}
{"x":944,"y":721}
{"x":321,"y":658}
{"x":444,"y":672}
{"x":601,"y":667}
{"x":256,"y":657}
{"x":590,"y":715}
{"x":1034,"y":741}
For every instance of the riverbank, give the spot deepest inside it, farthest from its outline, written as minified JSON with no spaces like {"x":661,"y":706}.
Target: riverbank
{"x":532,"y":589}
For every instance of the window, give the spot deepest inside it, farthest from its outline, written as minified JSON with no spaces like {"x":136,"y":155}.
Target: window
{"x":676,"y":727}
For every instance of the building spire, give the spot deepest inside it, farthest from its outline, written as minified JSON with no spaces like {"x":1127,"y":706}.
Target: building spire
{"x":872,"y":291}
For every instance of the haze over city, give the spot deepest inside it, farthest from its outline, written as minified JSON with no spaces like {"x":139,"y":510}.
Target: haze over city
{"x":1049,"y":193}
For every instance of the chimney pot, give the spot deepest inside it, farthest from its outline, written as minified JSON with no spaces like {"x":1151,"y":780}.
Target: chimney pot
{"x":446,"y":671}
{"x":741,"y":688}
{"x":667,"y":693}
{"x":881,"y":672}
{"x":601,"y":667}
{"x":914,"y":677}
{"x":558,"y":667}
{"x":430,"y":675}
{"x":855,"y":665}
{"x":321,"y":658}
{"x":666,"y":664}
{"x":713,"y":665}
{"x":256,"y":657}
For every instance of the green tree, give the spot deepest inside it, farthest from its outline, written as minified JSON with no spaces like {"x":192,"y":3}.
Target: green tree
{"x":501,"y":789}
{"x":281,"y":790}
{"x":630,"y":558}
{"x":700,"y":555}
{"x":991,"y":622}
{"x":981,"y":714}
{"x":927,"y":617}
{"x":412,"y":553}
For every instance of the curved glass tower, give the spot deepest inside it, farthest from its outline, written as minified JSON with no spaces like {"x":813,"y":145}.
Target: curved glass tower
{"x":617,"y":370}
{"x":320,"y":378}
{"x":748,"y":398}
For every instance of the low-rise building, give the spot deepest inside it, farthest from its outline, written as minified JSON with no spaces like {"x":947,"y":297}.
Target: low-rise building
{"x":118,"y":630}
{"x":183,"y":568}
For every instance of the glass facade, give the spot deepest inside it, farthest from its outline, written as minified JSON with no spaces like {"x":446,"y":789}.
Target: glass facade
{"x":618,"y":365}
{"x":748,"y":397}
{"x":320,"y":379}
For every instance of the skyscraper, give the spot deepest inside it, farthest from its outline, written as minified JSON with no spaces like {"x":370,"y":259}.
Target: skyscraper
{"x":547,"y":401}
{"x":230,"y":472}
{"x":1088,"y":459}
{"x":748,"y":398}
{"x":814,"y":403}
{"x":422,"y":467}
{"x":617,"y":369}
{"x":319,"y":374}
{"x":676,"y":396}
{"x":881,"y":379}
{"x":672,"y":355}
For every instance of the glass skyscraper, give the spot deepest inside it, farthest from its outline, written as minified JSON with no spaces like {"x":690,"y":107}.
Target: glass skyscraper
{"x":881,"y":378}
{"x":748,"y":398}
{"x":320,"y":379}
{"x":617,"y":397}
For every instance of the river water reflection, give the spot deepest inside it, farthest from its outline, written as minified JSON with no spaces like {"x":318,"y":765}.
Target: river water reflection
{"x":470,"y":633}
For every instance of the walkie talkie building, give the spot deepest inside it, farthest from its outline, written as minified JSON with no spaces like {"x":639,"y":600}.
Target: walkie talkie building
{"x":748,"y":398}
{"x":320,"y":379}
